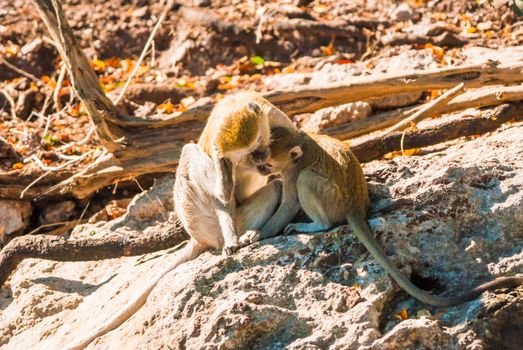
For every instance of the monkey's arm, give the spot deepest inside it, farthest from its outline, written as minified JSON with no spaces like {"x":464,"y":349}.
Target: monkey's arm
{"x":284,"y":214}
{"x":224,"y":212}
{"x":224,"y":179}
{"x":225,"y":206}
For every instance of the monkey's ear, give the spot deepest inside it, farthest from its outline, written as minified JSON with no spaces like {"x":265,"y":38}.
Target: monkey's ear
{"x":254,"y":107}
{"x":296,"y":153}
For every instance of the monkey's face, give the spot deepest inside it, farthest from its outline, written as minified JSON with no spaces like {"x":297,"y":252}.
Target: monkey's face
{"x":285,"y":152}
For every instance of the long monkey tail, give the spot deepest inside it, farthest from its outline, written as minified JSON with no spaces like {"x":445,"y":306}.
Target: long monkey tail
{"x":363,"y":233}
{"x":189,"y":252}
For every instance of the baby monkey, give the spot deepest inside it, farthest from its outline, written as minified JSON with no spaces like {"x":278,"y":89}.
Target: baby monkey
{"x":324,"y":177}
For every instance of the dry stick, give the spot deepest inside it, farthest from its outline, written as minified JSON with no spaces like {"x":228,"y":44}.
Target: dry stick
{"x":79,"y":143}
{"x":20,"y":71}
{"x":145,"y":48}
{"x":56,"y":92}
{"x":490,"y":96}
{"x":427,"y":110}
{"x":69,"y":224}
{"x":11,"y":102}
{"x":54,"y":169}
{"x":85,"y":249}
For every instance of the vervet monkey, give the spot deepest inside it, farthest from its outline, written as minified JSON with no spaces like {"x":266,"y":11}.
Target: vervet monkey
{"x":323,"y":176}
{"x":218,"y":190}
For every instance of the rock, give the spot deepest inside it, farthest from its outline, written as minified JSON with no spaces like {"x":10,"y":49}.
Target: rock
{"x":333,"y":116}
{"x":56,"y":212}
{"x":478,"y":55}
{"x":402,"y":13}
{"x":14,"y":217}
{"x":141,"y":12}
{"x":321,"y":291}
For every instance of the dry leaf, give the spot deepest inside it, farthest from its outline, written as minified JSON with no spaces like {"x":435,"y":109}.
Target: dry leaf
{"x":402,"y":315}
{"x":415,"y":3}
{"x":17,"y":166}
{"x":167,"y":108}
{"x":12,"y":50}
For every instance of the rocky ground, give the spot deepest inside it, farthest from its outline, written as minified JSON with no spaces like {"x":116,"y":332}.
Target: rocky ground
{"x":451,"y":215}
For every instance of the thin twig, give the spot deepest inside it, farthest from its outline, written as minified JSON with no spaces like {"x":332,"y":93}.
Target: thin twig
{"x":54,"y":169}
{"x":426,"y":110}
{"x":50,"y":225}
{"x":11,"y":102}
{"x":46,"y":129}
{"x":152,"y":201}
{"x":20,"y":71}
{"x":145,"y":48}
{"x":56,"y":92}
{"x":78,"y":143}
{"x":153,"y":54}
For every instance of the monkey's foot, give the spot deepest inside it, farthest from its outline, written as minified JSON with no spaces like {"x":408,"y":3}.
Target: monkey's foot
{"x":250,"y":237}
{"x":230,"y":249}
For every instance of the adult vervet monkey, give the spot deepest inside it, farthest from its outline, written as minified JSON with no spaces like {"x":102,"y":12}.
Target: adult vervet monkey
{"x":323,"y":176}
{"x":218,"y":191}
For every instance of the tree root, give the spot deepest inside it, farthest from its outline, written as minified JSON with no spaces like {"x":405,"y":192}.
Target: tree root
{"x":85,"y":249}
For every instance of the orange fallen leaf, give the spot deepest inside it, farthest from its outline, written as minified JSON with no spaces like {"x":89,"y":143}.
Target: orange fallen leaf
{"x":17,"y":166}
{"x":12,"y":50}
{"x":410,"y":152}
{"x":167,"y":108}
{"x":329,"y":50}
{"x":435,"y":94}
{"x":415,"y":3}
{"x":287,"y":70}
{"x":98,"y":65}
{"x":402,"y":315}
{"x":344,"y":61}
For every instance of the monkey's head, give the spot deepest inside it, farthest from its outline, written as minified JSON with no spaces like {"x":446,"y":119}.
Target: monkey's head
{"x":285,"y":149}
{"x":244,"y":131}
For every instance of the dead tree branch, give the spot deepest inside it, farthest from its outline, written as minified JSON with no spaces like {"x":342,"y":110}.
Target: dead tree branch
{"x":86,"y":249}
{"x":427,"y":110}
{"x":489,"y":96}
{"x":468,"y":126}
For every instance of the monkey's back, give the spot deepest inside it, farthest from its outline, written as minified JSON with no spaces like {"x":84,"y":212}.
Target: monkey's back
{"x":342,"y":167}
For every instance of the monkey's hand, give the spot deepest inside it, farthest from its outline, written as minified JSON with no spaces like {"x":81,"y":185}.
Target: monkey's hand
{"x":230,"y":249}
{"x":250,"y":237}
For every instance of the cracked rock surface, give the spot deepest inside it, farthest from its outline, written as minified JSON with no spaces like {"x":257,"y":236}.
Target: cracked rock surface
{"x":451,"y":219}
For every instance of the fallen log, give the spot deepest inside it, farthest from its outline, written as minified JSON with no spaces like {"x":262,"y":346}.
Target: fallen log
{"x":467,"y":126}
{"x":490,"y":96}
{"x":427,"y":110}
